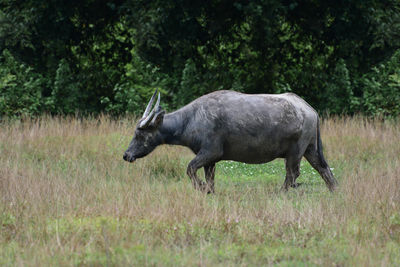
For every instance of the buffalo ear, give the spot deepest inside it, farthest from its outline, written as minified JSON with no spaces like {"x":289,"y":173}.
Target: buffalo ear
{"x":158,"y":119}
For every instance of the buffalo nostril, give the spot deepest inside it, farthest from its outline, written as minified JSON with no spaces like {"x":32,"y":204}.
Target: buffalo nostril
{"x":128,"y":156}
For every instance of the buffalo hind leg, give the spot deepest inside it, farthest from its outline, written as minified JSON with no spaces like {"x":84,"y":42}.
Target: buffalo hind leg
{"x":322,"y":168}
{"x":292,"y":172}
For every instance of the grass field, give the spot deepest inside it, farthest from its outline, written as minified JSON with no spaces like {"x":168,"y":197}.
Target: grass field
{"x":68,"y":198}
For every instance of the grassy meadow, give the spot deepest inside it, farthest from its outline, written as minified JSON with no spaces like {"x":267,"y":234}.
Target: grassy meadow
{"x":68,"y":198}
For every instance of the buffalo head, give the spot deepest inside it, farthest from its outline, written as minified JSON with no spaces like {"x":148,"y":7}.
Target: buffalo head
{"x":147,"y":136}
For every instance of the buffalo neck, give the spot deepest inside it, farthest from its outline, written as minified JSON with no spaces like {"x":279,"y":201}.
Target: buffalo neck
{"x":173,"y":126}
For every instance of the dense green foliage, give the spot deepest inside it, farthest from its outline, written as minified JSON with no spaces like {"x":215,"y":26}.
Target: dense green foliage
{"x":63,"y":57}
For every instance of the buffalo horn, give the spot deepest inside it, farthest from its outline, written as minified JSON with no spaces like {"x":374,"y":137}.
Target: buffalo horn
{"x":146,"y":112}
{"x":147,"y":120}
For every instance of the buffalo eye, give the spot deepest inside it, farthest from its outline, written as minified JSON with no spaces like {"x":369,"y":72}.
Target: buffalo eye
{"x":140,"y":136}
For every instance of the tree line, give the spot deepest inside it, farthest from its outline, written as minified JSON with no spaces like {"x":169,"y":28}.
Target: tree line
{"x":91,"y":56}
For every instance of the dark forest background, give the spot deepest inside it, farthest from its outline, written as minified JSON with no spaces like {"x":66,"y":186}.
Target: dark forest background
{"x":91,"y":56}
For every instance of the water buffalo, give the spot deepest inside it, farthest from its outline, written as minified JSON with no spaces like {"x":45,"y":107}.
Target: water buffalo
{"x":227,"y":125}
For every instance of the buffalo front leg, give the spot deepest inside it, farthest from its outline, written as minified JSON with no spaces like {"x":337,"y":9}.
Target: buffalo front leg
{"x":192,"y":173}
{"x":206,"y":160}
{"x":209,"y":173}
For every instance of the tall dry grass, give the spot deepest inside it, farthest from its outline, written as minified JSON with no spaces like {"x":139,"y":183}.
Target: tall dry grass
{"x":68,"y":198}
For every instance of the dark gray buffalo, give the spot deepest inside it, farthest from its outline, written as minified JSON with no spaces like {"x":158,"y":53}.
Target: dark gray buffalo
{"x":227,"y":125}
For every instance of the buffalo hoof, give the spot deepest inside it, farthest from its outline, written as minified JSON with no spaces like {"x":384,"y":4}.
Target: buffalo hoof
{"x":295,"y":185}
